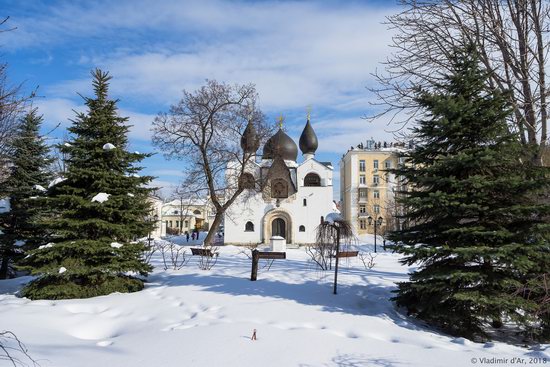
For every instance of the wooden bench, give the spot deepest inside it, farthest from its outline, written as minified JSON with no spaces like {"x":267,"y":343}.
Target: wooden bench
{"x":203,"y":252}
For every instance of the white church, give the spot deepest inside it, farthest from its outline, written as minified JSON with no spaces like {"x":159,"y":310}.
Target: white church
{"x":293,"y":198}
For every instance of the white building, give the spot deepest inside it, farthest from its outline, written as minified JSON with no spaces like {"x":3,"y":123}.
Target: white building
{"x":283,"y":197}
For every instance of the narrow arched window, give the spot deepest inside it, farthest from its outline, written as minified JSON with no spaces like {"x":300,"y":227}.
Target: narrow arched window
{"x":312,"y":179}
{"x":302,"y":228}
{"x":246,"y":181}
{"x":198,"y":212}
{"x":305,"y":202}
{"x":249,"y":227}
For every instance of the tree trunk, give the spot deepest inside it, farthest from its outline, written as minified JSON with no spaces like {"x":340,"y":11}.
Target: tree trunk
{"x":4,"y":267}
{"x":214,"y":227}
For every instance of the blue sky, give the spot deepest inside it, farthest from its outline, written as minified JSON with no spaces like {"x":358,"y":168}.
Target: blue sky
{"x":299,"y":54}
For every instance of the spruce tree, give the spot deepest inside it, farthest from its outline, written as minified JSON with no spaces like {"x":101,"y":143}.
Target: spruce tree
{"x":101,"y":208}
{"x":472,"y":226}
{"x":29,"y":175}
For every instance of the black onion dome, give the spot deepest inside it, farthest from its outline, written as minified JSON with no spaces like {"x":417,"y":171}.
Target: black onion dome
{"x":249,"y":141}
{"x":308,"y":140}
{"x":280,"y":145}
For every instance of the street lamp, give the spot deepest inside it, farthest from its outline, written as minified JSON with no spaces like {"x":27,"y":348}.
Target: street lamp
{"x":376,"y":223}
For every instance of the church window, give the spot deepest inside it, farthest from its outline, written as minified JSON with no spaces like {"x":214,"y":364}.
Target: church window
{"x":312,"y":179}
{"x":177,"y":224}
{"x":302,"y":229}
{"x":249,"y":227}
{"x":170,"y":224}
{"x":388,"y":164}
{"x":246,"y":181}
{"x":305,"y":202}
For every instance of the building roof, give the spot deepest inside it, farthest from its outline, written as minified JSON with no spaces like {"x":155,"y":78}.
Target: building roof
{"x":308,"y":140}
{"x":280,"y":145}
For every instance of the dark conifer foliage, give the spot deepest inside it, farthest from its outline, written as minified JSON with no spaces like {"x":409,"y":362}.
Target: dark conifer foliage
{"x":28,"y":178}
{"x":472,"y":220}
{"x":102,"y":205}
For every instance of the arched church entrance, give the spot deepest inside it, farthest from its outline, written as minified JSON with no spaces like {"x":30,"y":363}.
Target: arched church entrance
{"x":277,"y":222}
{"x":278,"y":227}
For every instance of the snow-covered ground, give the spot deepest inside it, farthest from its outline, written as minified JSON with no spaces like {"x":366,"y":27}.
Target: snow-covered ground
{"x":192,"y":317}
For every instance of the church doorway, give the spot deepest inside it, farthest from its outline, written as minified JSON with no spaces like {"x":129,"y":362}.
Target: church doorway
{"x":278,"y":227}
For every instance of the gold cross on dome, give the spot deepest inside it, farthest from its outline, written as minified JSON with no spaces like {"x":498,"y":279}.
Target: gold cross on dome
{"x":280,"y":120}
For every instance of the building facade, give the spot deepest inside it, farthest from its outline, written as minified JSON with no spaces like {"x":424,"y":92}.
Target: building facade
{"x":185,"y":215}
{"x":367,"y":189}
{"x":283,"y":197}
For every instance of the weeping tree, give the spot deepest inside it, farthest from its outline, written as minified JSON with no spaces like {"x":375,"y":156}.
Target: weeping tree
{"x":204,"y":130}
{"x":330,"y":234}
{"x":513,"y":43}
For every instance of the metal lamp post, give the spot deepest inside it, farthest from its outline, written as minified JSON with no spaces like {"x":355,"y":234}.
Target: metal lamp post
{"x":376,"y":223}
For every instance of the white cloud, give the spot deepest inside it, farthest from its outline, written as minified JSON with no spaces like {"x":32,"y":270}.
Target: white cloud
{"x":296,"y":53}
{"x":61,"y":111}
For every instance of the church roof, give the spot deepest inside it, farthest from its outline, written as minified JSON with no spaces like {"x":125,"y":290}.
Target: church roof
{"x":280,"y":145}
{"x":249,"y":141}
{"x":308,"y":140}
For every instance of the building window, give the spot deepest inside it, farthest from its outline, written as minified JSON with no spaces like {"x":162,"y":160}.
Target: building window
{"x":375,"y":164}
{"x":249,"y":227}
{"x":362,"y":193}
{"x":387,"y":164}
{"x":246,"y":181}
{"x":362,"y":179}
{"x":170,"y":224}
{"x":305,"y":202}
{"x":176,"y":212}
{"x":375,"y":179}
{"x":177,"y":224}
{"x":302,"y":229}
{"x":376,"y":194}
{"x":376,"y":209}
{"x":362,"y":224}
{"x":186,"y":223}
{"x":362,"y":209}
{"x":362,"y":166}
{"x":198,"y":212}
{"x":312,"y":179}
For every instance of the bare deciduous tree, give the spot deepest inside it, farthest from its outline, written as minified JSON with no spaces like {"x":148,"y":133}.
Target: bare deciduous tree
{"x":13,"y":351}
{"x":12,"y":103}
{"x":512,"y":39}
{"x":204,"y":130}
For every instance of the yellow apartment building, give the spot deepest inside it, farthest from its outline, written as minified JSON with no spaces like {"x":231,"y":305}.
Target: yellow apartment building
{"x":367,"y":189}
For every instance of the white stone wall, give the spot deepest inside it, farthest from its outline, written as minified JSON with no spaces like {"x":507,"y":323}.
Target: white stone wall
{"x":251,"y":206}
